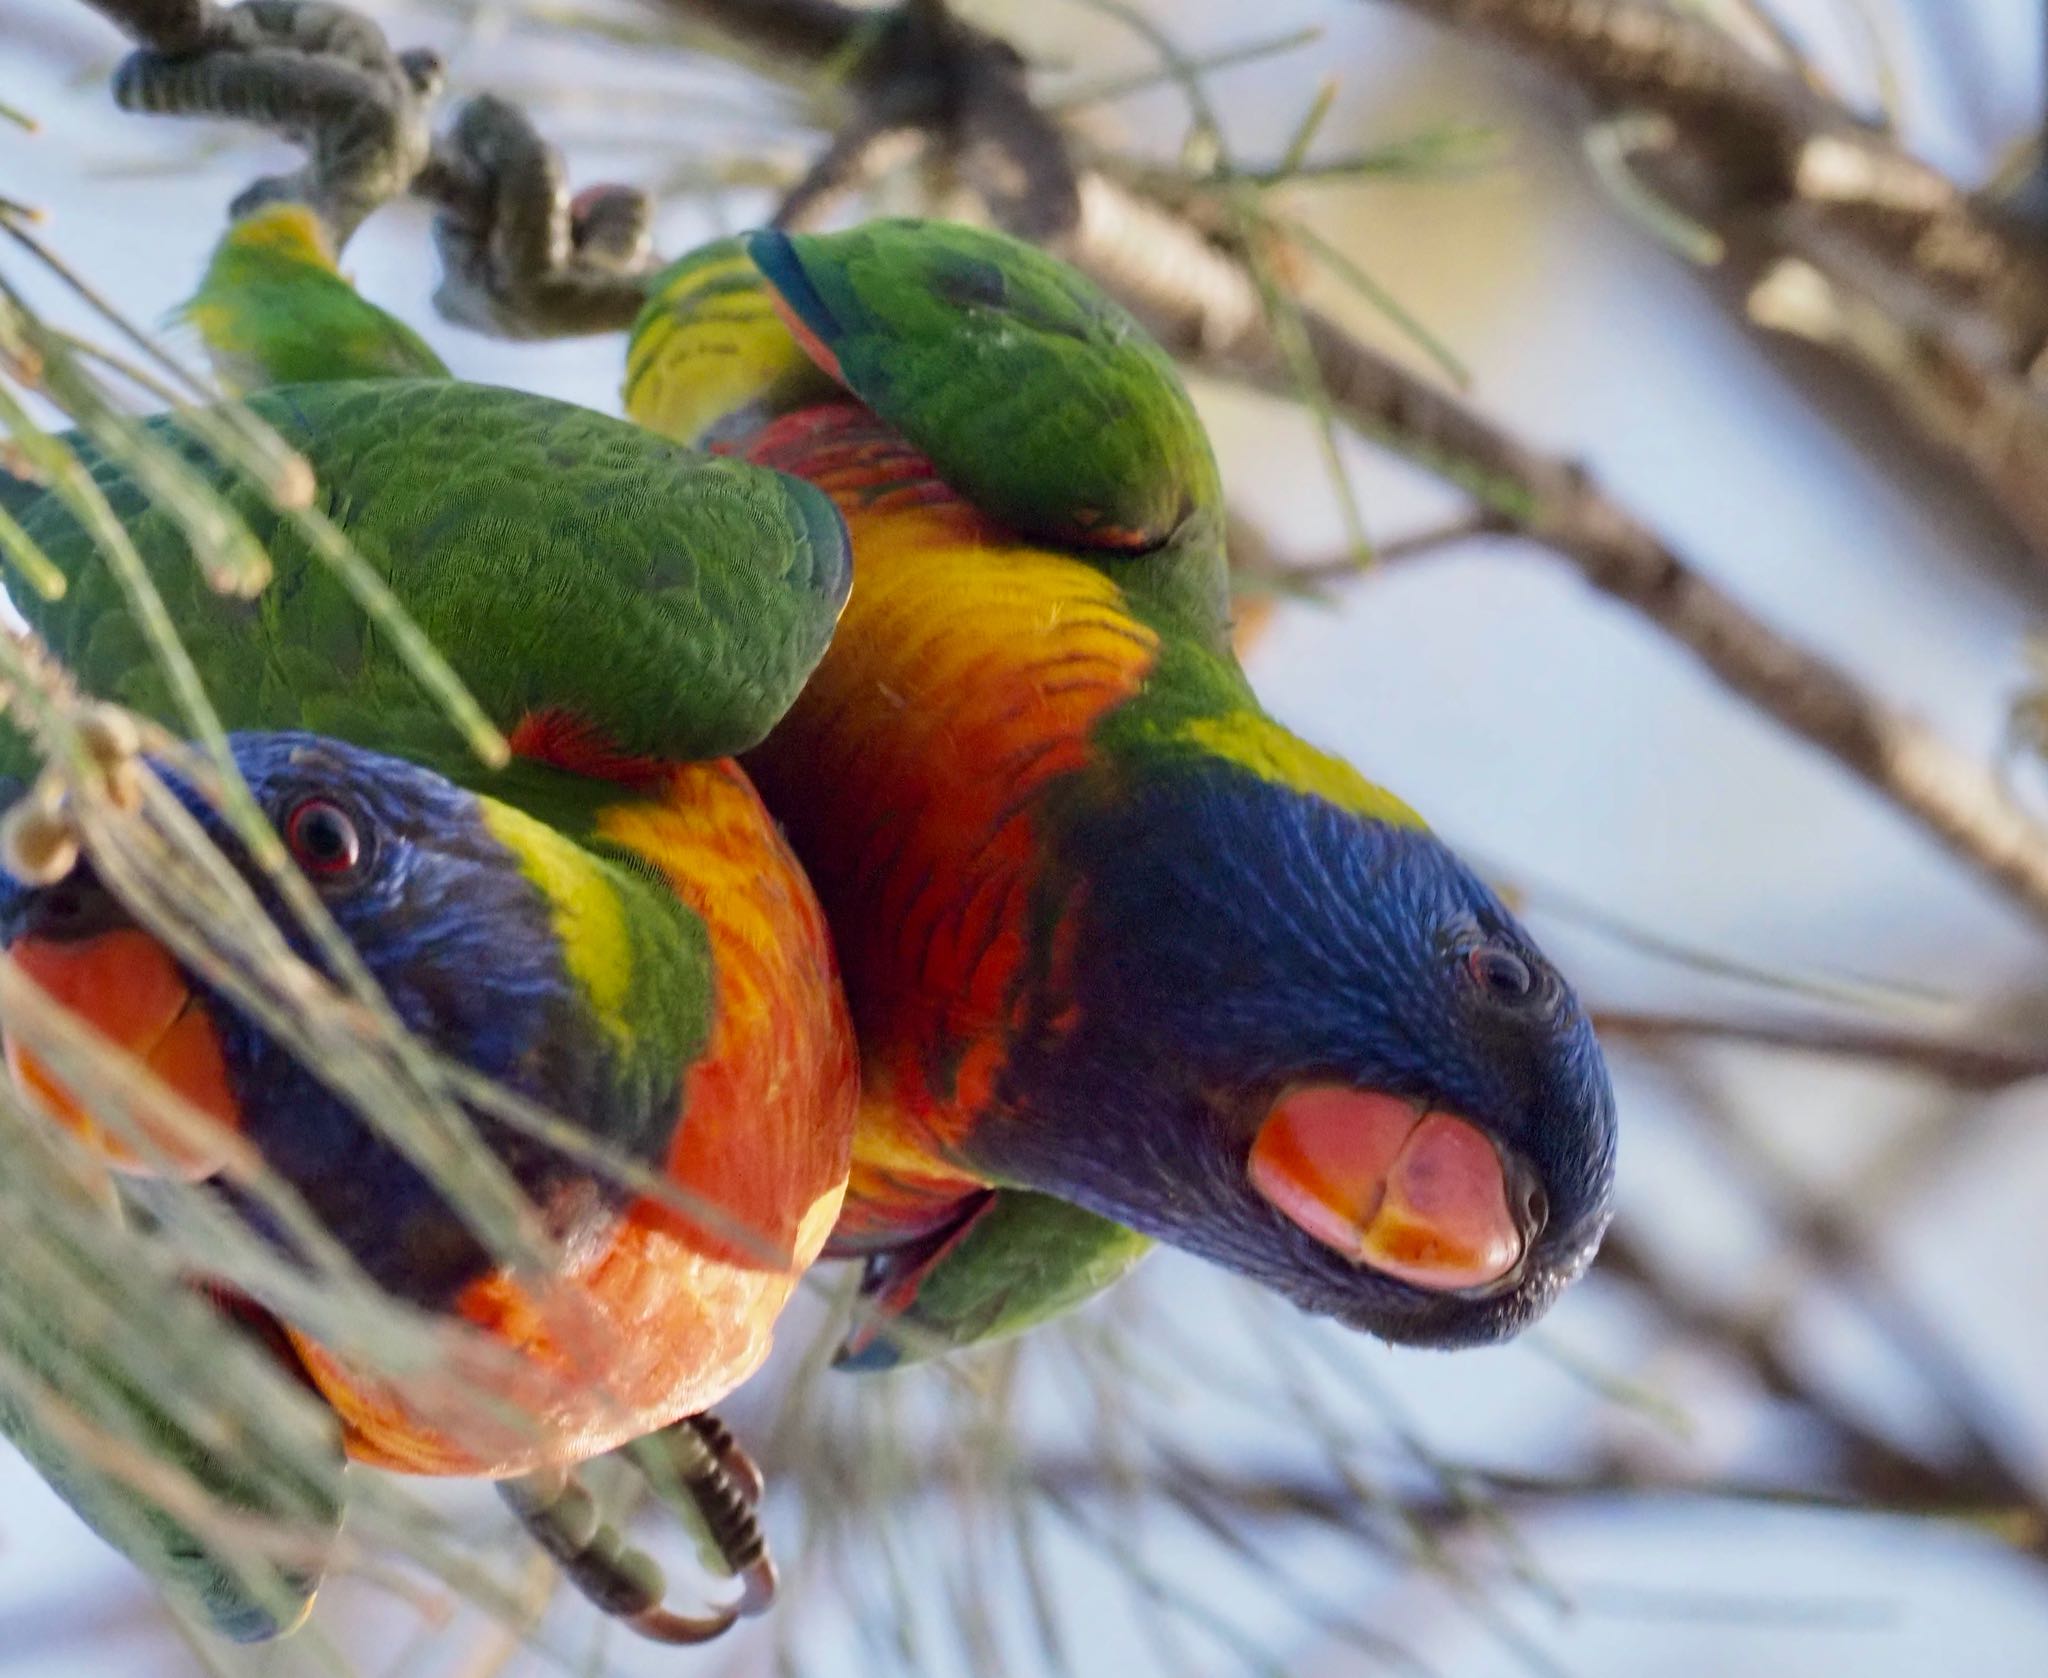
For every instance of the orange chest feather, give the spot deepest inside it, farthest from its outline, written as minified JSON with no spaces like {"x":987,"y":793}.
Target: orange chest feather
{"x":963,"y":684}
{"x":670,"y":1312}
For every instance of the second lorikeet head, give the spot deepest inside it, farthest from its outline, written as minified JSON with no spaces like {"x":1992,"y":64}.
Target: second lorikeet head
{"x":427,"y":882}
{"x":1309,"y":1044}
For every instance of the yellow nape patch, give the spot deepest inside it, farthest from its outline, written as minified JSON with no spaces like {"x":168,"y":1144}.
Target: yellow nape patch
{"x":586,"y":912}
{"x":1256,"y":742}
{"x":290,"y":230}
{"x":710,"y":346}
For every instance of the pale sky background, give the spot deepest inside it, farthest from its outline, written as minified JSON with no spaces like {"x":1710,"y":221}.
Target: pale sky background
{"x":1537,"y":725}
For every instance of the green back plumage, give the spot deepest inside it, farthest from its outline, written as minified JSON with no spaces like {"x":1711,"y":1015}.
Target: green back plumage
{"x":558,"y":558}
{"x":1039,"y":399}
{"x":1034,"y":395}
{"x":274,"y":309}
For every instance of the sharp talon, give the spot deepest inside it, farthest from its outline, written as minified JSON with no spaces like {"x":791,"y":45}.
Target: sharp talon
{"x":423,"y":68}
{"x":517,"y":258}
{"x":610,"y":226}
{"x":732,"y":1455}
{"x":759,"y":1584}
{"x":658,"y":1625}
{"x":699,"y":1458}
{"x":316,"y":74}
{"x":560,"y":1515}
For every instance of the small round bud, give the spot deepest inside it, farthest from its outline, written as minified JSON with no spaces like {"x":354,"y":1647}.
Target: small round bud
{"x":37,"y":844}
{"x":110,"y":736}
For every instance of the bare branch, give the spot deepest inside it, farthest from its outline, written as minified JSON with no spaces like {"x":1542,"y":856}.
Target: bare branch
{"x":1825,"y":230}
{"x":1965,"y":1065}
{"x":1202,"y":300}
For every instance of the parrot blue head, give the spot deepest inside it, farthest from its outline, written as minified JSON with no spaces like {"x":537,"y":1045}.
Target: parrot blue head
{"x":1315,"y":1048}
{"x":464,"y":946}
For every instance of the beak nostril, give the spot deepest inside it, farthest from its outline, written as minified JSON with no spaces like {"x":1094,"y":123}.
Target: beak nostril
{"x":1535,"y":1209}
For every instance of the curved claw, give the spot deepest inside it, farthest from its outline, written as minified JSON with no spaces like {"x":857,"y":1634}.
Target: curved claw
{"x":519,"y":259}
{"x":695,"y":1462}
{"x":560,"y":1515}
{"x":922,"y":70}
{"x":315,"y":73}
{"x":611,"y":226}
{"x":698,"y":1465}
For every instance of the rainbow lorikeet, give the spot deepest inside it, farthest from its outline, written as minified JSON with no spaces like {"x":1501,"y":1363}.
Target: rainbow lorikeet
{"x":1125,"y":956}
{"x":1127,"y":959}
{"x":611,"y":927}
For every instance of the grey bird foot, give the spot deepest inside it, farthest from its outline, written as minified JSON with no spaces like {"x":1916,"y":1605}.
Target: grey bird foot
{"x":317,"y":74}
{"x":697,"y":1468}
{"x":922,"y":71}
{"x":520,"y":258}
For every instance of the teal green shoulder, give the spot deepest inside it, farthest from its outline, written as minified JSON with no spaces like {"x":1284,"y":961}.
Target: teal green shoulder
{"x":559,"y":559}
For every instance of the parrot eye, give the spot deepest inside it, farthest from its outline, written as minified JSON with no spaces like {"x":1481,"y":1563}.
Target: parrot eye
{"x":322,"y":838}
{"x":1500,"y":973}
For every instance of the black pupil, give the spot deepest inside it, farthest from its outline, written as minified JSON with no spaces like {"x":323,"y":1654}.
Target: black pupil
{"x":325,"y":837}
{"x":1503,"y":973}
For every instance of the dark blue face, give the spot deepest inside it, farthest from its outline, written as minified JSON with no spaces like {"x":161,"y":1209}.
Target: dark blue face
{"x":462,"y":945}
{"x":1317,"y":1050}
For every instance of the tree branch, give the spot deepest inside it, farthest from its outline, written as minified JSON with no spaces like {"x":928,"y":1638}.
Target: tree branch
{"x":1203,"y":300}
{"x":1964,"y":1065}
{"x":1823,"y":229}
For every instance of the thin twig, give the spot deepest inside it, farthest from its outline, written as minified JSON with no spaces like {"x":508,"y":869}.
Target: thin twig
{"x":1964,"y":1065}
{"x":1828,"y":231}
{"x":1203,"y":299}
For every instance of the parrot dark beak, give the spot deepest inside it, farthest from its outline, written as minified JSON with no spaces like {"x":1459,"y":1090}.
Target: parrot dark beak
{"x":120,"y":981}
{"x":1424,"y":1197}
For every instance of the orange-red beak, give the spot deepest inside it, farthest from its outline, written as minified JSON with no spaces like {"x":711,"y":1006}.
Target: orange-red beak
{"x":1423,"y":1197}
{"x":126,"y":987}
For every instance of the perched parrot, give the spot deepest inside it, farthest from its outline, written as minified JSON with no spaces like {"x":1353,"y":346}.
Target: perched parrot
{"x":1126,"y":958}
{"x":611,"y":927}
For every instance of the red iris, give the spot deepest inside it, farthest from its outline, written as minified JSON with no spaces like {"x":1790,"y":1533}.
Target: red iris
{"x":322,"y":838}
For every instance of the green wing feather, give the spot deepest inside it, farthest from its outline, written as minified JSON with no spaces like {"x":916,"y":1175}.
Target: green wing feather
{"x":1038,"y":398}
{"x":238,"y":1592}
{"x":1020,"y":1260}
{"x":559,"y":559}
{"x":274,"y":310}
